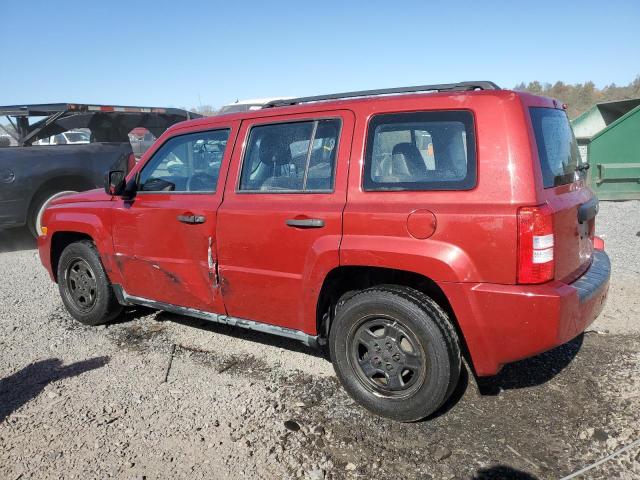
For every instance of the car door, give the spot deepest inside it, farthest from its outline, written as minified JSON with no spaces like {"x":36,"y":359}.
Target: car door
{"x":164,"y":238}
{"x":280,"y":224}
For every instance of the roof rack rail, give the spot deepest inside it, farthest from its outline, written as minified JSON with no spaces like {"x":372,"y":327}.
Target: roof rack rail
{"x":443,"y":87}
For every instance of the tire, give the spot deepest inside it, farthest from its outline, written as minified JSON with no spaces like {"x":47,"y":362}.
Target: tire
{"x":395,"y":352}
{"x":39,"y":206}
{"x":81,"y":276}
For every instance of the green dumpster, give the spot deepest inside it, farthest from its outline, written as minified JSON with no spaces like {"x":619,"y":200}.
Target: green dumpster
{"x":609,"y":137}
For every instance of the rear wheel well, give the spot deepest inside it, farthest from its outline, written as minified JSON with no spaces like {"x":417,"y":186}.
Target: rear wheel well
{"x":341,"y":282}
{"x":59,"y":242}
{"x":59,"y":184}
{"x":53,"y":186}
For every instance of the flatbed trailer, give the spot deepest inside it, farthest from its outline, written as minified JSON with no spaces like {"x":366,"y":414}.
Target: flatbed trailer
{"x":32,"y":175}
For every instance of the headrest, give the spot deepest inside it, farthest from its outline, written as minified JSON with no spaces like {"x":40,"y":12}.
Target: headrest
{"x":274,"y":150}
{"x":407,"y":159}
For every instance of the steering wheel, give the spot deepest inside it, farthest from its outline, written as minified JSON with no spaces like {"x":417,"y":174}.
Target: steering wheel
{"x":201,"y":182}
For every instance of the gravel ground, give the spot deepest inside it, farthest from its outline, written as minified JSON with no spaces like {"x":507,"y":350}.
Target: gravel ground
{"x":618,"y":223}
{"x":82,"y":402}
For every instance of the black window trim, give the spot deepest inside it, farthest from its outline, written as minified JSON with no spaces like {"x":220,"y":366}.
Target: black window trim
{"x":315,"y":121}
{"x":470,"y":182}
{"x":150,"y":159}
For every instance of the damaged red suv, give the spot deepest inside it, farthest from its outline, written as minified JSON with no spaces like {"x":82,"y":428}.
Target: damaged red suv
{"x":400,"y":228}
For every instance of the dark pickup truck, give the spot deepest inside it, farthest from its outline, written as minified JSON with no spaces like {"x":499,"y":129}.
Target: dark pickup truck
{"x":32,"y":175}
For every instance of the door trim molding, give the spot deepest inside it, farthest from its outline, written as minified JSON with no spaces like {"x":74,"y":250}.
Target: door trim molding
{"x":125,"y":299}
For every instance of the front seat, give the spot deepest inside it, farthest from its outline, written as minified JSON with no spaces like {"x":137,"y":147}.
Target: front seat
{"x":275,"y":154}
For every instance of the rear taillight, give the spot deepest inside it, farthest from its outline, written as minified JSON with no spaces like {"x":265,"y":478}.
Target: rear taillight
{"x":535,"y":244}
{"x":131,"y":162}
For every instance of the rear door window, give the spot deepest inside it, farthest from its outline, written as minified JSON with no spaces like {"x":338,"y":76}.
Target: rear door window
{"x":557,"y":147}
{"x":291,"y":157}
{"x":433,"y":150}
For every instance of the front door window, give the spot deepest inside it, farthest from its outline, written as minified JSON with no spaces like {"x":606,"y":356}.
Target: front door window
{"x":186,"y":163}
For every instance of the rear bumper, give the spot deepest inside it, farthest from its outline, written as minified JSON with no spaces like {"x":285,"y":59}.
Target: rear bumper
{"x":505,"y":323}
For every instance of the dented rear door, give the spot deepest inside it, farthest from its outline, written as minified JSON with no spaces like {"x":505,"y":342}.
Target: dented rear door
{"x":280,"y":224}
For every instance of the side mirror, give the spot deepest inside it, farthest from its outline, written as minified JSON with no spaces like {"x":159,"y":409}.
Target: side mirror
{"x":114,"y":182}
{"x":130,"y":189}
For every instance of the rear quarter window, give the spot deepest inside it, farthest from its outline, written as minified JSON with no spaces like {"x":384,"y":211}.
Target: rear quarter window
{"x":434,"y":150}
{"x":557,"y":147}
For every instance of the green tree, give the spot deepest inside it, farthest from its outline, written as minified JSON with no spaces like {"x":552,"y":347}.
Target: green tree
{"x":580,"y":97}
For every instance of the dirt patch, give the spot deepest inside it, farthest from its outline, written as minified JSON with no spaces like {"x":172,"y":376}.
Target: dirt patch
{"x":542,"y":426}
{"x":539,"y":418}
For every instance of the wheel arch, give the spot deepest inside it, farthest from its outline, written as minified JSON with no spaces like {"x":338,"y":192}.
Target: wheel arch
{"x":60,"y":241}
{"x":52,"y":185}
{"x":59,"y":183}
{"x":344,"y":279}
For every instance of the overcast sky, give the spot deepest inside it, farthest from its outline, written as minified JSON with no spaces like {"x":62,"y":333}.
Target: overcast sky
{"x":186,"y":53}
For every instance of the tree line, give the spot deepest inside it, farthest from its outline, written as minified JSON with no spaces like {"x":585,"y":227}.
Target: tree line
{"x":580,"y":97}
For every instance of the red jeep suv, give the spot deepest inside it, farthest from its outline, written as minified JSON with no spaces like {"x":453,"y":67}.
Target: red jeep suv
{"x":401,"y":228}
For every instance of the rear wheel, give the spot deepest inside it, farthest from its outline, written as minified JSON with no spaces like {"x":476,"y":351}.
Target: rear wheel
{"x":395,"y":352}
{"x":84,"y":287}
{"x":39,"y":206}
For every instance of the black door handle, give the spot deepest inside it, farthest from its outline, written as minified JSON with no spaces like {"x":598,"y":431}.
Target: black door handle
{"x":305,"y":223}
{"x":192,"y":219}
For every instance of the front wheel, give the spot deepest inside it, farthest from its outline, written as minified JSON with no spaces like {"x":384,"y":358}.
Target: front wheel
{"x":395,"y":352}
{"x":84,"y":286}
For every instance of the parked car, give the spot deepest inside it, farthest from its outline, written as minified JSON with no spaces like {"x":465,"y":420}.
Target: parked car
{"x":72,"y":137}
{"x":397,"y":228}
{"x":53,"y":157}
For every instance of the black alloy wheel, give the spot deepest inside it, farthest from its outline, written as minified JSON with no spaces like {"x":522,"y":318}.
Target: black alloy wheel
{"x":387,"y":357}
{"x":84,"y":285}
{"x":395,"y":351}
{"x":81,"y":284}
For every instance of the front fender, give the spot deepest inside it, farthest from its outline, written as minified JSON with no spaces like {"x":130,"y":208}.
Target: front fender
{"x":75,"y":218}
